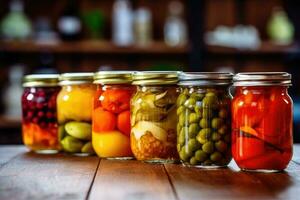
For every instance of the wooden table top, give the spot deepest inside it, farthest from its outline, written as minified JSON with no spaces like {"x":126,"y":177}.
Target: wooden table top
{"x":25,"y":175}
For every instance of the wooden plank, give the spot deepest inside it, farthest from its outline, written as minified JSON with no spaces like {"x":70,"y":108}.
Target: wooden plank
{"x":7,"y":152}
{"x":194,"y":183}
{"x":33,"y":176}
{"x":131,"y":180}
{"x":231,"y":183}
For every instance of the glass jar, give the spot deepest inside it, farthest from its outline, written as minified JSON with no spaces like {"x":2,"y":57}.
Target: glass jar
{"x":262,"y":121}
{"x":111,"y":114}
{"x":39,"y":121}
{"x":153,"y":117}
{"x":74,"y":112}
{"x":204,"y":120}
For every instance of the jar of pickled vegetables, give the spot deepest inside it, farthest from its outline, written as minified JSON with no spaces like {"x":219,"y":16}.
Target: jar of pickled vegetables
{"x":74,"y":112}
{"x":39,"y":121}
{"x":204,"y":120}
{"x":153,"y":117}
{"x":111,"y":114}
{"x":262,"y":121}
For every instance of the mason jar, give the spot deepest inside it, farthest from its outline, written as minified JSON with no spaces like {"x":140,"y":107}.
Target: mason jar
{"x":204,"y":119}
{"x":39,"y":120}
{"x":262,"y":121}
{"x":111,"y":114}
{"x":74,"y":112}
{"x":153,"y":116}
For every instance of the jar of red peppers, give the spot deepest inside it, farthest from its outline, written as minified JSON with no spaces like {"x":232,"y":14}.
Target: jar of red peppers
{"x":74,"y":112}
{"x":262,"y":121}
{"x":111,"y":114}
{"x":39,"y":121}
{"x":204,"y":119}
{"x":153,"y":117}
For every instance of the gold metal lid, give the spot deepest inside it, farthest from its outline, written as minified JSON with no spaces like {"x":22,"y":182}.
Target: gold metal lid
{"x":113,"y":77}
{"x":76,"y":78}
{"x":40,"y":80}
{"x":262,"y":79}
{"x":155,"y":78}
{"x":205,"y":78}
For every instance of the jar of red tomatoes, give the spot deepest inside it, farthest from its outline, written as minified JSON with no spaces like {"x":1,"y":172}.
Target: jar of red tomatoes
{"x":39,"y":121}
{"x":262,"y":121}
{"x":74,"y":112}
{"x":153,"y":116}
{"x":111,"y":114}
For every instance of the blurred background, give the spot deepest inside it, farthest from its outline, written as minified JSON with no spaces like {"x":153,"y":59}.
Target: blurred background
{"x":193,"y":35}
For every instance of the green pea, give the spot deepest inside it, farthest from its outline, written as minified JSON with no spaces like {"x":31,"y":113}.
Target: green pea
{"x":216,"y":156}
{"x":180,"y":110}
{"x":207,"y":162}
{"x":210,"y":101}
{"x":193,"y":130}
{"x":197,"y":96}
{"x":216,"y":123}
{"x":223,"y":129}
{"x":185,"y":91}
{"x":193,"y":161}
{"x":194,"y":118}
{"x":200,"y":155}
{"x":221,"y":146}
{"x":185,"y":155}
{"x":227,"y":138}
{"x":215,"y":136}
{"x":210,"y":93}
{"x":193,"y":144}
{"x":205,"y":133}
{"x":198,"y":110}
{"x":181,"y":99}
{"x":208,"y":147}
{"x":190,"y":103}
{"x":207,"y":113}
{"x":223,"y":113}
{"x":204,"y":123}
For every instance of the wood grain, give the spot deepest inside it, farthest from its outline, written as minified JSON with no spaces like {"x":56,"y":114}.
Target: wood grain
{"x":131,"y":180}
{"x":8,"y":152}
{"x":32,"y":176}
{"x":231,"y":183}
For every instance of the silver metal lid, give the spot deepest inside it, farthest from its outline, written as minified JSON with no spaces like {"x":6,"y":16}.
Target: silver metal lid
{"x":262,"y":79}
{"x":40,"y":80}
{"x":113,"y":77}
{"x":155,"y":78}
{"x":76,"y":78}
{"x":205,"y":78}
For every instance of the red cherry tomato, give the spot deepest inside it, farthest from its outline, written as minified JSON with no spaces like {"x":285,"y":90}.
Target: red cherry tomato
{"x":123,"y":122}
{"x":103,"y":120}
{"x":115,"y":100}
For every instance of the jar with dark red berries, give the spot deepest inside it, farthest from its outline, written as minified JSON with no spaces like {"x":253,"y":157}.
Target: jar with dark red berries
{"x":39,"y":120}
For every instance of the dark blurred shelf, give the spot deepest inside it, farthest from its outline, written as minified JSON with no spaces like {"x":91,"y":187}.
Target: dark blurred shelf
{"x":265,"y":48}
{"x":90,"y":46}
{"x":9,"y":123}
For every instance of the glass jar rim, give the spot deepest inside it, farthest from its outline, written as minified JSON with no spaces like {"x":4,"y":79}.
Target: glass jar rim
{"x":113,"y":77}
{"x":155,"y":78}
{"x":205,"y":78}
{"x":76,"y":78}
{"x":40,"y":80}
{"x":262,"y":79}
